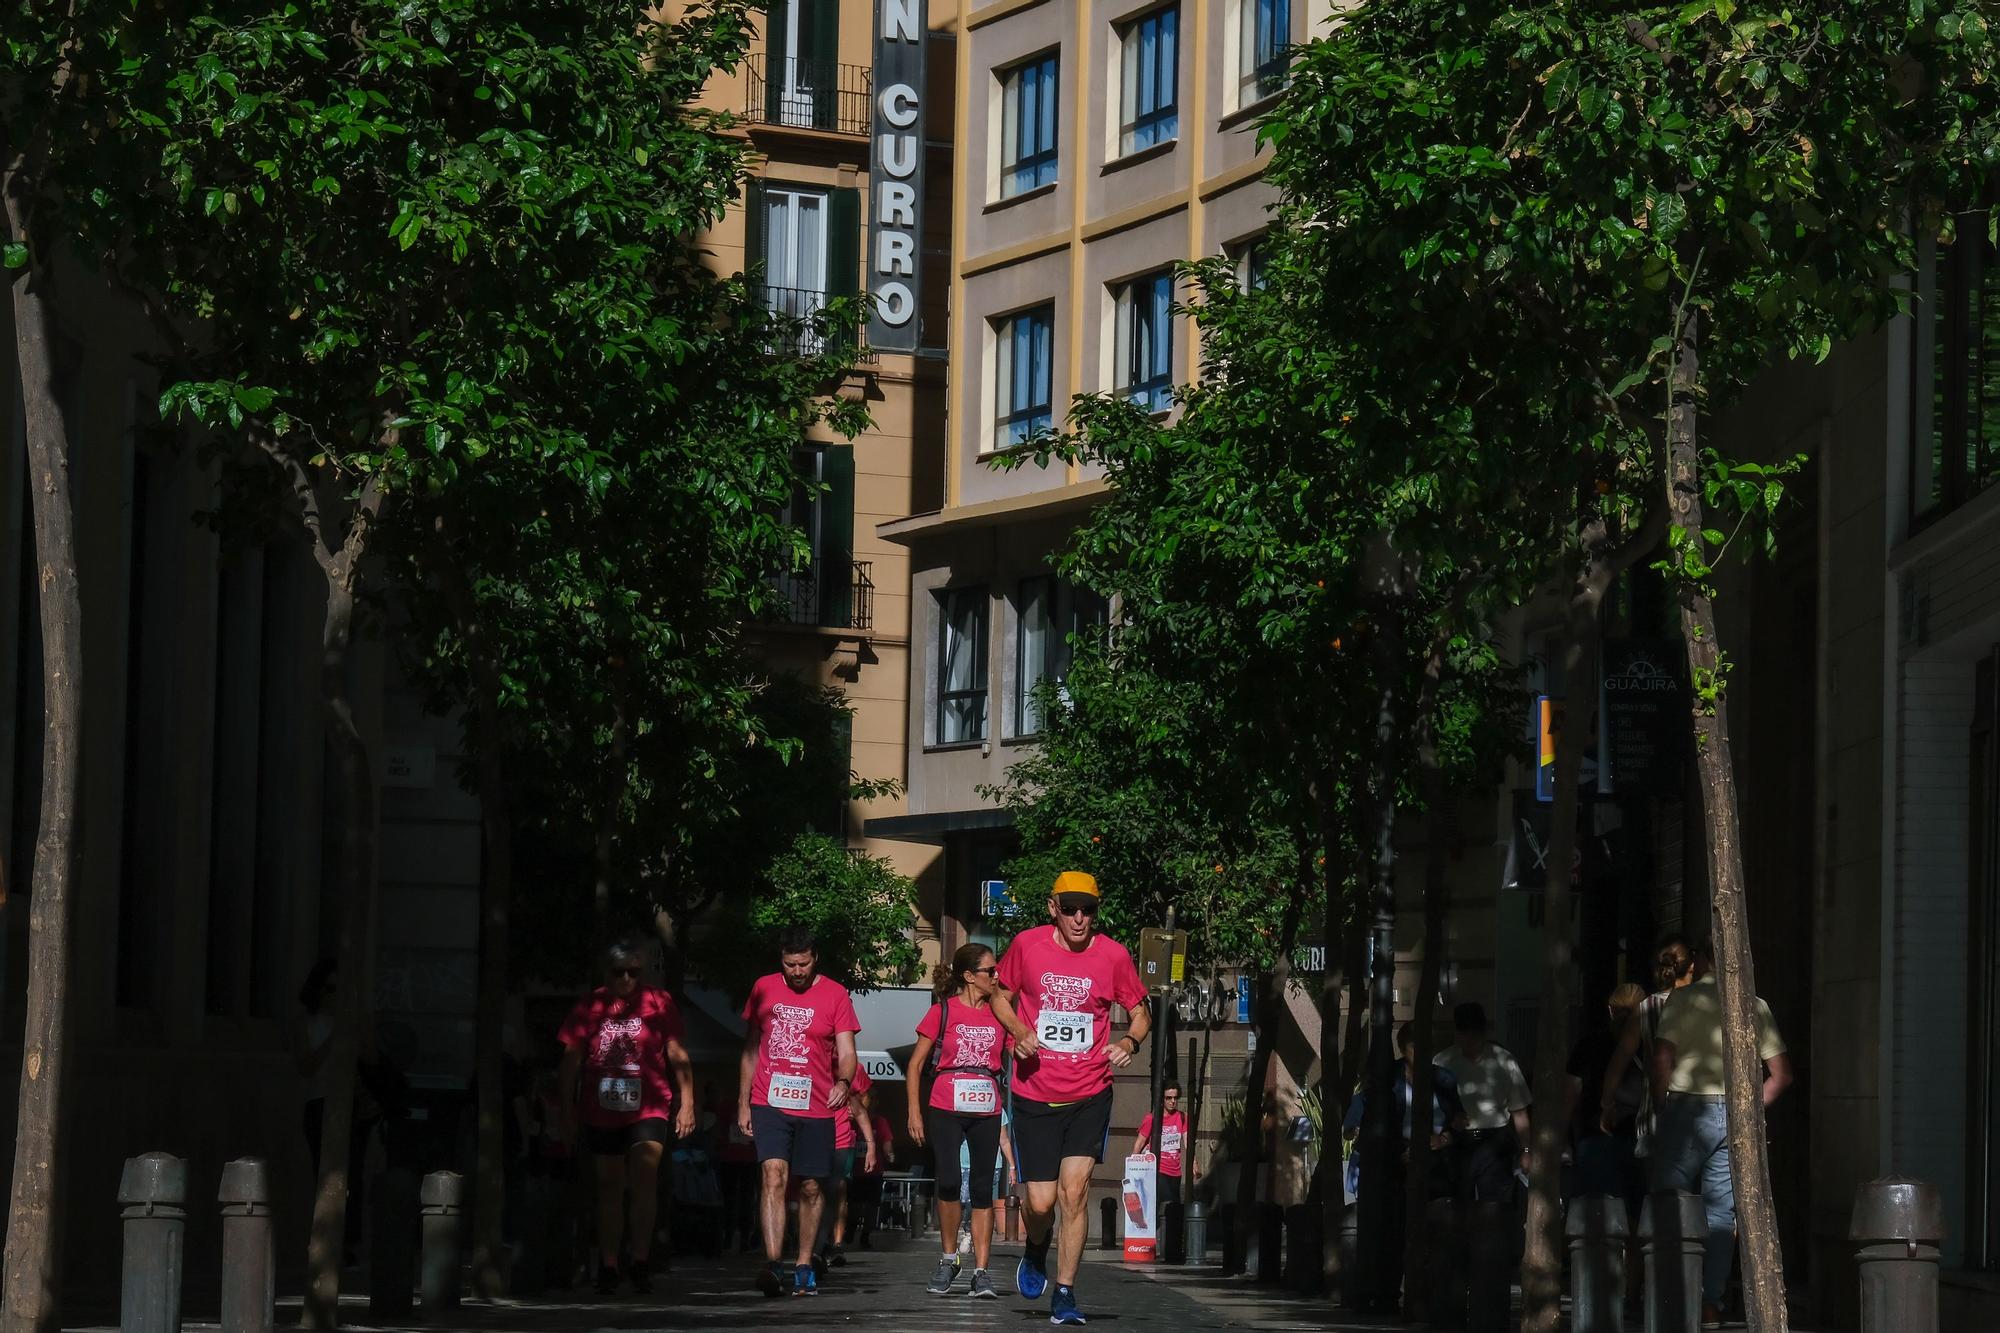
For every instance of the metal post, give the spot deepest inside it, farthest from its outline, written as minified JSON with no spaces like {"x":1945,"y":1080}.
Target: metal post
{"x":1490,"y":1228}
{"x":392,"y":1251}
{"x":1197,"y":1233}
{"x":1445,"y":1278}
{"x":1173,"y":1233}
{"x":1597,"y":1231}
{"x":1270,"y":1244}
{"x":1302,"y":1248}
{"x":1107,"y":1237}
{"x":153,"y":1189}
{"x":530,"y":1273}
{"x":1674,"y":1230}
{"x":443,"y":1201}
{"x":248,"y":1271}
{"x":1897,"y":1226}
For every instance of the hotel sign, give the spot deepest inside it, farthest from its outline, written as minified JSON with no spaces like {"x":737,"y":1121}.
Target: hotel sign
{"x":896,"y":176}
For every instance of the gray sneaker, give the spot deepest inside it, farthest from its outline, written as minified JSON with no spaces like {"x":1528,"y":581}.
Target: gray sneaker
{"x":947,"y":1273}
{"x":982,"y":1285}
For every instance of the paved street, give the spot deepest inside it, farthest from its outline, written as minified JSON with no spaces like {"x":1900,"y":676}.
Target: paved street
{"x":884,"y":1285}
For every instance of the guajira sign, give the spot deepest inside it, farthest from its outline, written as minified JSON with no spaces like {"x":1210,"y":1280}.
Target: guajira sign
{"x":896,"y":176}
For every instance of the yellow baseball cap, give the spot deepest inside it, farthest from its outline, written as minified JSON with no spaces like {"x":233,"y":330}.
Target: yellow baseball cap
{"x":1076,"y":881}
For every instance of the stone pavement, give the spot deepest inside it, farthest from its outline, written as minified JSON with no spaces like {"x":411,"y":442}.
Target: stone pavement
{"x":884,"y":1287}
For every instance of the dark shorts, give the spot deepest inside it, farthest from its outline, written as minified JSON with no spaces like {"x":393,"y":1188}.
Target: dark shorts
{"x":1044,"y":1135}
{"x":803,"y":1143}
{"x":843,"y":1161}
{"x":617,"y":1140}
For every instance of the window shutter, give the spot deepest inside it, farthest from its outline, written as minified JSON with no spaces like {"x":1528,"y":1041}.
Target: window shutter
{"x":776,"y":55}
{"x":823,"y":61}
{"x":836,"y":547}
{"x":756,"y":223}
{"x":843,"y":251}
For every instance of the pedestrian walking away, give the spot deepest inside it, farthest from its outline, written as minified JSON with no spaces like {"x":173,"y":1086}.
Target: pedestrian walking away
{"x":1673,"y":968}
{"x":1607,"y":1161}
{"x":626,"y":1077}
{"x":1386,"y":1291}
{"x":853,"y":1146}
{"x":1490,"y":1136}
{"x":1174,"y":1145}
{"x":1058,"y":984}
{"x":961,"y":1042}
{"x":797,"y":1070}
{"x":1691,"y":1148}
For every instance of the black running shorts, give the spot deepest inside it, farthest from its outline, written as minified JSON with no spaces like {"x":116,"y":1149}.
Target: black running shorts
{"x":805,"y":1143}
{"x":1044,"y":1135}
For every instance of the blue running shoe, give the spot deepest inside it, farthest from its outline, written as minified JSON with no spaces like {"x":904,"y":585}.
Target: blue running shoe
{"x":1029,"y":1279}
{"x":1062,"y":1307}
{"x":805,"y":1282}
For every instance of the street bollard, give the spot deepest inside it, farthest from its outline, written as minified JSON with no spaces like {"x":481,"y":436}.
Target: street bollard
{"x":1173,"y":1234}
{"x":917,"y":1213}
{"x":1235,"y":1247}
{"x":1490,"y":1228}
{"x":1107,"y":1236}
{"x":1270,"y":1244}
{"x":1597,"y":1230}
{"x":443,"y":1200}
{"x":1302,"y":1248}
{"x":249,"y":1288}
{"x":1673,"y":1228}
{"x":530,"y":1273}
{"x":1197,"y":1232}
{"x":1444,"y":1285}
{"x":392,"y":1253}
{"x":153,"y":1188}
{"x":1897,"y":1227}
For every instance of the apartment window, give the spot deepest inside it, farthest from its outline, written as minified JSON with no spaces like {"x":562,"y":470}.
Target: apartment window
{"x":1264,"y":48}
{"x":822,"y":509}
{"x":1955,"y":399}
{"x":1023,"y":376}
{"x":1150,"y":98}
{"x":1145,"y":347}
{"x":1252,"y":258}
{"x":961,"y":666}
{"x":801,"y":74}
{"x":1028,"y":96}
{"x":1051,"y":618}
{"x":808,"y":243}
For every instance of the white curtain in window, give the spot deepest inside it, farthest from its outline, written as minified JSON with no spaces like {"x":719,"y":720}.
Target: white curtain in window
{"x":961,"y":670}
{"x":1037,"y":633}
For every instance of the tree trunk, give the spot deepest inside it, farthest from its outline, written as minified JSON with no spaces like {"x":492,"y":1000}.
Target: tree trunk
{"x":357,"y":886}
{"x":1757,"y":1222}
{"x":1270,"y":990}
{"x":1541,"y":1264}
{"x":1437,"y":902}
{"x":1387,"y":590}
{"x":615,"y":772}
{"x":33,"y":1221}
{"x":496,"y":894}
{"x":1334,"y":1090}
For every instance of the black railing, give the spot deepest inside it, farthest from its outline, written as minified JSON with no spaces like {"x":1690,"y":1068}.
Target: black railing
{"x":829,"y":595}
{"x":809,"y":94}
{"x":802,"y":329}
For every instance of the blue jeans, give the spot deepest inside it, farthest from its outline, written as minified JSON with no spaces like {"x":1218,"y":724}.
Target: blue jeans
{"x":1691,"y":1154}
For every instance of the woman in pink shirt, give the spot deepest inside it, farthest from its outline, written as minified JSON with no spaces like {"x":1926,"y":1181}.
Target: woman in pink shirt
{"x":964,"y":1105}
{"x":618,"y":1045}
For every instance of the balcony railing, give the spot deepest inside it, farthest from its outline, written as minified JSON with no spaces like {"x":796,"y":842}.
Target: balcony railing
{"x":802,"y":334}
{"x":830,"y":596}
{"x":809,"y":94}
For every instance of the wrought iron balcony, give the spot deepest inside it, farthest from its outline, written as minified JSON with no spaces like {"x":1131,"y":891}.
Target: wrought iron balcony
{"x":820,"y":595}
{"x":805,"y":94}
{"x":802,"y":334}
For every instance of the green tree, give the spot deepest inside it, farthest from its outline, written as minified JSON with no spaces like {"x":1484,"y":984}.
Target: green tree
{"x":858,"y":907}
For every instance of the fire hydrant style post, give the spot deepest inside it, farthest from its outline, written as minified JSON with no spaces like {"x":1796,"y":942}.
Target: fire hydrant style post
{"x":1597,"y":1231}
{"x":153,"y":1189}
{"x":1897,"y":1227}
{"x":248,"y":1273}
{"x":1674,"y":1228}
{"x":444,"y":1216}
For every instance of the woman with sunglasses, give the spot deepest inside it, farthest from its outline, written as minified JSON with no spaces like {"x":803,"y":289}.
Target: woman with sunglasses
{"x":964,"y":1105}
{"x":618,"y":1046}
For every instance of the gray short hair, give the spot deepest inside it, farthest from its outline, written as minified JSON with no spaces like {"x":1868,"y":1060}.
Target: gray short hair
{"x":625,"y":946}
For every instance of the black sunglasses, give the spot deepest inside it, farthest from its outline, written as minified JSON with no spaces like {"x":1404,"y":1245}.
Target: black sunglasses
{"x":628,"y":971}
{"x":984,"y":971}
{"x":1081,"y":909}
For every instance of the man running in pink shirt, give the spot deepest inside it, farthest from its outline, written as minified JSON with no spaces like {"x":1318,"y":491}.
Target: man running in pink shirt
{"x":797,"y":1069}
{"x":1060,"y":982}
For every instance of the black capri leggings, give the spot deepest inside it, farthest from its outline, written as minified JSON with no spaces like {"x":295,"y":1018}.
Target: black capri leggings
{"x":981,"y":1133}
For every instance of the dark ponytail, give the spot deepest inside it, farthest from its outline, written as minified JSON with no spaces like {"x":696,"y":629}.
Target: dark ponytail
{"x":947,"y":979}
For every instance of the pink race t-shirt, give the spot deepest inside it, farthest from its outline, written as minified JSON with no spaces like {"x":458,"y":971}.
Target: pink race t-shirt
{"x":845,"y":1135}
{"x":973,"y":1042}
{"x":795,"y":1056}
{"x":1065,"y":997}
{"x":1170,"y":1144}
{"x":624,"y":1055}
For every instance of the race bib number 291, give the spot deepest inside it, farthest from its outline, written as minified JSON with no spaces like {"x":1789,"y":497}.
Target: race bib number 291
{"x":1071,"y":1034}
